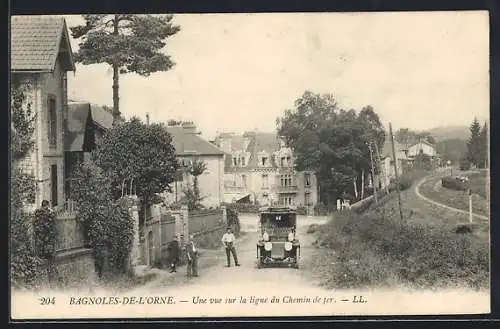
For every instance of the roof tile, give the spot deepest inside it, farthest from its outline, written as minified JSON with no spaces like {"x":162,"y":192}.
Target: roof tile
{"x":35,"y":41}
{"x":188,"y":143}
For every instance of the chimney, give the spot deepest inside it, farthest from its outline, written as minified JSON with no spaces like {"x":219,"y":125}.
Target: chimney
{"x":189,"y":127}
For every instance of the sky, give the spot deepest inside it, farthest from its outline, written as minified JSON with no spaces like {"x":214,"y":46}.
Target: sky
{"x":239,"y":72}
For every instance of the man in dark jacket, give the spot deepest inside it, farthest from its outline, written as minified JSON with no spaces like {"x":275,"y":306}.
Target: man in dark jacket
{"x":174,"y":253}
{"x":192,"y":257}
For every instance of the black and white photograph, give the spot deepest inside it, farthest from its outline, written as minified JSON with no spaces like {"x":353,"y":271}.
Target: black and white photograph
{"x":249,"y":164}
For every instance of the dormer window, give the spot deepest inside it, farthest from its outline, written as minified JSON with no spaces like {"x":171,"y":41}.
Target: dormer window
{"x":282,"y":161}
{"x":243,"y":162}
{"x":264,"y":161}
{"x":288,"y":161}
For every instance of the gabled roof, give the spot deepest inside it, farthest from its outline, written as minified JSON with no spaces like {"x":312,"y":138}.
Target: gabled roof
{"x":36,"y":41}
{"x":187,"y":143}
{"x":77,"y":118}
{"x":257,"y":142}
{"x":423,"y":141}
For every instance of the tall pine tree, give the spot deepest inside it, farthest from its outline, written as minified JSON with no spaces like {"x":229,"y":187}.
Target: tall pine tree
{"x":474,"y":145}
{"x":127,"y":43}
{"x":483,"y":137}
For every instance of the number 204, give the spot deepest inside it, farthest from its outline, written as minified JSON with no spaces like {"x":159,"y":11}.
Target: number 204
{"x":47,"y":300}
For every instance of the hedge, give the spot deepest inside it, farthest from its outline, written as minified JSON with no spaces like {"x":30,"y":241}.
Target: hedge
{"x":454,"y":183}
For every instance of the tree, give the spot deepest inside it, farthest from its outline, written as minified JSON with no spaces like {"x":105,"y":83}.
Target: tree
{"x":484,"y":147}
{"x":474,"y":145}
{"x":138,"y":155}
{"x":128,"y":43}
{"x":195,"y":169}
{"x":331,"y":141}
{"x":452,"y":149}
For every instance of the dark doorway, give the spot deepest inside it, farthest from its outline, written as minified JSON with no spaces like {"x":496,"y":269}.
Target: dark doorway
{"x":53,"y":184}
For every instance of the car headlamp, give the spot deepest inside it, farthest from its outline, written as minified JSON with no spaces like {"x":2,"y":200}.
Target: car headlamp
{"x":291,"y":236}
{"x":268,"y":246}
{"x":265,"y":236}
{"x":288,"y":246}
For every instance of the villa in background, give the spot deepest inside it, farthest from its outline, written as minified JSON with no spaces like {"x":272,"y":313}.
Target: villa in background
{"x":407,"y":158}
{"x":259,"y":169}
{"x":387,"y":172}
{"x":189,"y":147}
{"x":41,"y":56}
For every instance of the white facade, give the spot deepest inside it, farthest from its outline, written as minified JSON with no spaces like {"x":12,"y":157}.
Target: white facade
{"x":211,"y":183}
{"x":422,"y":147}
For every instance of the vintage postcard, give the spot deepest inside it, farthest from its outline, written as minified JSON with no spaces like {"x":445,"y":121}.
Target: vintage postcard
{"x":235,"y":165}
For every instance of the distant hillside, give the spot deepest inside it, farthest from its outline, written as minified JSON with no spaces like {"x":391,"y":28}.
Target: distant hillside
{"x":456,"y":132}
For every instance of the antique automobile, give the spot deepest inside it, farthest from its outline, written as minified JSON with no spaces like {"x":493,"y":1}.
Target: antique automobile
{"x":277,"y":244}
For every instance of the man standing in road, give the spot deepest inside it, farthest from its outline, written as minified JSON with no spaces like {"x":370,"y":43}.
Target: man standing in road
{"x":192,"y":256}
{"x":174,"y":252}
{"x":228,"y":240}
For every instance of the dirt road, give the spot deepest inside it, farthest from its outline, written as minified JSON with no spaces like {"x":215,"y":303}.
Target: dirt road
{"x":215,"y":276}
{"x":247,"y":291}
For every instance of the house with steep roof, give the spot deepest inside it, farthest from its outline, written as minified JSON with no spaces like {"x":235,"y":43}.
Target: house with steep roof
{"x":85,"y":126}
{"x":190,"y":146}
{"x":387,"y":172}
{"x":41,"y":57}
{"x":259,"y":169}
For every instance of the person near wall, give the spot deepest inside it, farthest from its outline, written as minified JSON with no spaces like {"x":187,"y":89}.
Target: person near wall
{"x":192,"y":258}
{"x":174,"y":252}
{"x":228,"y":240}
{"x":339,"y":205}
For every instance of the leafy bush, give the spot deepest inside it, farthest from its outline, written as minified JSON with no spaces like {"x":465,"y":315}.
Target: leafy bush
{"x":233,"y":219}
{"x":107,"y":223}
{"x":454,"y":183}
{"x":464,"y":164}
{"x":45,"y":233}
{"x":26,"y":267}
{"x":245,"y":207}
{"x":407,"y":179}
{"x":320,"y":209}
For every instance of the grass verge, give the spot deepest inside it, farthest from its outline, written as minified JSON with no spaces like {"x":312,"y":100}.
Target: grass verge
{"x":454,"y":198}
{"x":376,"y":249}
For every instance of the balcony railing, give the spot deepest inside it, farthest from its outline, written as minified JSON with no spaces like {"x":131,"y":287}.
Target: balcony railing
{"x":68,"y":208}
{"x":287,"y":188}
{"x":231,"y":188}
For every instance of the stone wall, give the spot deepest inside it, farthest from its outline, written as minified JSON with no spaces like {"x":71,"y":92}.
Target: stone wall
{"x":74,"y":263}
{"x":164,"y":224}
{"x":74,"y":268}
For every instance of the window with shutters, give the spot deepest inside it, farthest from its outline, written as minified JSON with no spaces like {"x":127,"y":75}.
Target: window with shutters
{"x":52,"y":122}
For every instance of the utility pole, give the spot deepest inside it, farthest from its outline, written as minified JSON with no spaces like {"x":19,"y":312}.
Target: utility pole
{"x":470,"y":205}
{"x":396,"y":171}
{"x":373,"y":174}
{"x":147,"y":119}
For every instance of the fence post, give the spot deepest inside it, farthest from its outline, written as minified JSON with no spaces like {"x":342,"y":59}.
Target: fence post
{"x":134,"y":213}
{"x":182,"y":226}
{"x":470,"y":206}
